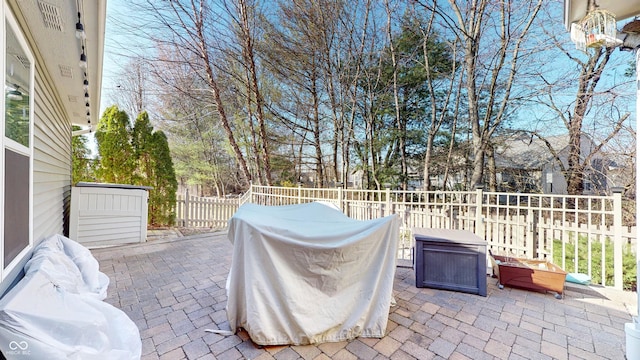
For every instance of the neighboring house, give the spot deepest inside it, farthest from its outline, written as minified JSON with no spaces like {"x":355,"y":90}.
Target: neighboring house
{"x":44,"y":96}
{"x":525,"y":164}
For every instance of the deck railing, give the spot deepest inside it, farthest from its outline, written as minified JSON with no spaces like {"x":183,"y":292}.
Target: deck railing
{"x":560,"y":228}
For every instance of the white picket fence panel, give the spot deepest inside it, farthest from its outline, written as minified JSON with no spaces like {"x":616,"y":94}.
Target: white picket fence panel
{"x":204,"y":212}
{"x":523,"y":225}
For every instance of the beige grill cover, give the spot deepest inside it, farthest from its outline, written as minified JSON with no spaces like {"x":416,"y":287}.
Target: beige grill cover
{"x":306,"y":274}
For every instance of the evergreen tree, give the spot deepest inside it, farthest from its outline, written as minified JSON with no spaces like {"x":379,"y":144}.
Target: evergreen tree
{"x":155,"y":169}
{"x":138,"y":156}
{"x":142,"y":144}
{"x":81,"y":170}
{"x":165,"y":185}
{"x":117,"y":160}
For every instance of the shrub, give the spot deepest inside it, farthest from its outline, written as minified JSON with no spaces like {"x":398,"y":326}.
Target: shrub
{"x":628,"y":261}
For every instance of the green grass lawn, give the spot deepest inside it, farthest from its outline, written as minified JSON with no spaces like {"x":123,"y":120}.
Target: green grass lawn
{"x":628,"y":258}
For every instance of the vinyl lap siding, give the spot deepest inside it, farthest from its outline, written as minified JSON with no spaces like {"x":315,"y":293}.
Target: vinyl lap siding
{"x":51,"y":163}
{"x":51,"y":170}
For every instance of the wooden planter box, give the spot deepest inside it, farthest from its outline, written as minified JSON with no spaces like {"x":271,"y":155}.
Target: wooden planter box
{"x":535,"y":275}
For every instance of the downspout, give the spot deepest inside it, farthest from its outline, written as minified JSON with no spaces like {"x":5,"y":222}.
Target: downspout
{"x":632,"y":329}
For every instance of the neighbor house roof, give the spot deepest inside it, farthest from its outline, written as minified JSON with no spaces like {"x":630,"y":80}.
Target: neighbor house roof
{"x":527,"y":152}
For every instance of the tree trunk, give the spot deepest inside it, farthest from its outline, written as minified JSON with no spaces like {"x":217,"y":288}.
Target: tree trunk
{"x":426,"y":185}
{"x":317,"y":139}
{"x":254,"y":88}
{"x":399,"y":121}
{"x":491,"y":166}
{"x":204,"y":54}
{"x":589,"y":77}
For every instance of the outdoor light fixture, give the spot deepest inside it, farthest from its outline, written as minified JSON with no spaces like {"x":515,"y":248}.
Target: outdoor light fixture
{"x":83,"y":59}
{"x":14,"y":94}
{"x":80,"y":34}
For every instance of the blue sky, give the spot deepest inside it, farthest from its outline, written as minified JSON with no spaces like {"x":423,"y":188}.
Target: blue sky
{"x":112,"y":59}
{"x":116,"y":43}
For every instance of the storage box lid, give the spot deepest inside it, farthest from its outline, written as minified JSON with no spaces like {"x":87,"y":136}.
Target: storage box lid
{"x":447,"y":236}
{"x":113,"y":186}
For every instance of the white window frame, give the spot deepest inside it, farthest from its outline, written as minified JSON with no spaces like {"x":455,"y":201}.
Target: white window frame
{"x":9,"y":20}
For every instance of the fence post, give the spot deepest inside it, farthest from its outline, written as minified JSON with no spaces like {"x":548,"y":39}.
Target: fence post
{"x":530,"y":236}
{"x":251,"y":200}
{"x":388,"y":195}
{"x":479,"y":228}
{"x":299,"y":193}
{"x":186,"y":208}
{"x":340,"y":205}
{"x":617,"y":238}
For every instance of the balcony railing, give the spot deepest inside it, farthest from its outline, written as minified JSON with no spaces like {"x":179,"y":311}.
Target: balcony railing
{"x":579,"y":233}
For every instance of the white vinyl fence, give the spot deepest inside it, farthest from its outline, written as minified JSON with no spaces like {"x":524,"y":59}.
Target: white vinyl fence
{"x":204,"y":212}
{"x":524,"y":225}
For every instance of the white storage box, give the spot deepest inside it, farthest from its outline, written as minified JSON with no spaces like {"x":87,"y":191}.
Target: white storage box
{"x":108,"y":214}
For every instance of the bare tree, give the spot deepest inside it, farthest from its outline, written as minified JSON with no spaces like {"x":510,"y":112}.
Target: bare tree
{"x":197,"y":140}
{"x":131,"y":93}
{"x":354,"y":39}
{"x":188,"y":27}
{"x":254,"y":94}
{"x":400,"y":123}
{"x":594,"y":112}
{"x":299,"y":55}
{"x":491,"y":34}
{"x":439,"y":108}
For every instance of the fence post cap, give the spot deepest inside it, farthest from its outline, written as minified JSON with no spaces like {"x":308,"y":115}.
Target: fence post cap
{"x":617,"y":189}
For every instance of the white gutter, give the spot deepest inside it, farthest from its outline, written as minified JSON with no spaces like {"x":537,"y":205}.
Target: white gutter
{"x":82,"y":131}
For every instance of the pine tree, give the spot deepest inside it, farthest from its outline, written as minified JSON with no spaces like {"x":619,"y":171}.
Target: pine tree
{"x":142,"y":144}
{"x":154,"y":168}
{"x":117,"y":161}
{"x":81,"y":170}
{"x":165,"y":185}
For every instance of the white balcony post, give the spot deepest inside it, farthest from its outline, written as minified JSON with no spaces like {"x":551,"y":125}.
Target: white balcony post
{"x":617,"y":238}
{"x":479,"y":228}
{"x":637,"y":170}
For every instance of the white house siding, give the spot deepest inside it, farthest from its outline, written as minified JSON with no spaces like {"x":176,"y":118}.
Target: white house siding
{"x":51,"y":163}
{"x":51,"y":167}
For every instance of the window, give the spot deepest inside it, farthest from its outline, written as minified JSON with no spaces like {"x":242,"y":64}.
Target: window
{"x":17,"y":131}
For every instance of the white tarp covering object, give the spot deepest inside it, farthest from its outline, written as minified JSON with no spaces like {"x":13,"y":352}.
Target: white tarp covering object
{"x":69,"y":265}
{"x":305,"y":274}
{"x":55,"y":311}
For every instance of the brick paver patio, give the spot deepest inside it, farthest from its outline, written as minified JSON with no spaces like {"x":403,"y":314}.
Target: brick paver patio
{"x":174,"y":289}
